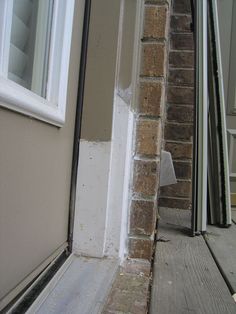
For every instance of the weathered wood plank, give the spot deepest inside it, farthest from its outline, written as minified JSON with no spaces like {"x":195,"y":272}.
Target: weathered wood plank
{"x":234,"y":215}
{"x":223,"y":245}
{"x":186,"y":278}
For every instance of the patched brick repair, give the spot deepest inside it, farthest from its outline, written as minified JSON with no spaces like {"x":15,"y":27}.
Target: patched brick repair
{"x":164,"y":118}
{"x":178,"y":131}
{"x":149,"y":129}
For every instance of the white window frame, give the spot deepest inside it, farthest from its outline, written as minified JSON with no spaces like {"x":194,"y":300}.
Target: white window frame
{"x":52,"y":108}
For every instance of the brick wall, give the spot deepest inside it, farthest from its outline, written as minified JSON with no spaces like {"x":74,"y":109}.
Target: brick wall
{"x":149,"y":126}
{"x":178,"y":128}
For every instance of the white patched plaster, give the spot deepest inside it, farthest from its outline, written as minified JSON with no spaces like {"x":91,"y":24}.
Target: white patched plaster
{"x":118,"y":194}
{"x":91,"y":198}
{"x":102,"y":198}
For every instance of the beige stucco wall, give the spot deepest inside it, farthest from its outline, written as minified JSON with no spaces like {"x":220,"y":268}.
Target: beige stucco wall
{"x":101,"y":71}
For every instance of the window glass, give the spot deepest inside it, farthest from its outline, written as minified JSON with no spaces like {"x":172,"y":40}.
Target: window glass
{"x":30,"y":44}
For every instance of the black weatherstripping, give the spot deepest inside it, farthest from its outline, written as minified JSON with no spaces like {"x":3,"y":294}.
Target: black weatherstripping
{"x":194,"y":161}
{"x":78,"y":118}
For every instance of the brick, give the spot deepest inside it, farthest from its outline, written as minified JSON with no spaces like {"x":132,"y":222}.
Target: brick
{"x":153,"y":60}
{"x":179,"y":150}
{"x":124,"y":301}
{"x":180,"y":95}
{"x":183,"y":170}
{"x":180,"y":23}
{"x":129,"y":294}
{"x":178,"y":132}
{"x":180,"y":189}
{"x":180,"y":113}
{"x":148,"y":137}
{"x":180,"y":77}
{"x":181,"y":59}
{"x":182,"y":6}
{"x":181,"y":42}
{"x":142,"y":217}
{"x":126,"y":280}
{"x":150,"y":99}
{"x":155,"y":22}
{"x":179,"y":203}
{"x":146,"y":175}
{"x":157,"y":1}
{"x":140,"y":248}
{"x":136,"y":267}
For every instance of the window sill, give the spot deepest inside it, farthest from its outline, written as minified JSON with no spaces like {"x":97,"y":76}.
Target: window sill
{"x":21,"y":100}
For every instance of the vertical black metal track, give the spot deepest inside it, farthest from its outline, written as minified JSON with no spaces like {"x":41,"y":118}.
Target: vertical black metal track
{"x":78,"y":118}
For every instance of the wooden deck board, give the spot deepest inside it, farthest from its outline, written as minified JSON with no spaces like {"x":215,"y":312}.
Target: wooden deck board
{"x":186,"y":278}
{"x":234,"y":215}
{"x":223,"y":245}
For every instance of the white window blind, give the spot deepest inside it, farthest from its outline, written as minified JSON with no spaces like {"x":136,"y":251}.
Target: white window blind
{"x":20,"y":42}
{"x":29,"y":44}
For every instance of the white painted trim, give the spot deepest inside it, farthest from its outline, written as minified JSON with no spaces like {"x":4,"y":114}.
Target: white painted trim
{"x":57,"y":90}
{"x":119,"y":196}
{"x":123,"y":251}
{"x":17,"y":98}
{"x":20,"y":99}
{"x":202,"y":105}
{"x":119,"y":177}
